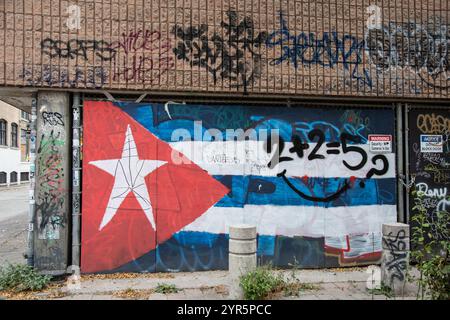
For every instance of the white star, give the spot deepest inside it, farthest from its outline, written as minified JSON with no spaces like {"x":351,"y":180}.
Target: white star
{"x":129,"y":173}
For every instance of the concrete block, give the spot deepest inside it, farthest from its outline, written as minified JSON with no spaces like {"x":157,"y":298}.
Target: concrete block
{"x":242,"y":246}
{"x":395,"y":229}
{"x":395,"y":243}
{"x":394,"y":266}
{"x":242,"y":256}
{"x":395,"y":256}
{"x":242,"y":232}
{"x":241,"y":264}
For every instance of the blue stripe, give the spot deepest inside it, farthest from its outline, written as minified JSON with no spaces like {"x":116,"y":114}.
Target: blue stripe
{"x":300,"y":120}
{"x":198,"y":251}
{"x":258,"y":190}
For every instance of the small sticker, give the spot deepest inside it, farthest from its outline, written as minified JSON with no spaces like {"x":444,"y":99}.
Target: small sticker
{"x":431,"y":143}
{"x":380,"y":143}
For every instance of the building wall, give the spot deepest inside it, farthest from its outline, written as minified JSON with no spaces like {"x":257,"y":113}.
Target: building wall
{"x":396,"y":50}
{"x":332,"y":47}
{"x":11,"y":158}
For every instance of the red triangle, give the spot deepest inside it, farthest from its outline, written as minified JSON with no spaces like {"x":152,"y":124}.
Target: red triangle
{"x":180,"y":193}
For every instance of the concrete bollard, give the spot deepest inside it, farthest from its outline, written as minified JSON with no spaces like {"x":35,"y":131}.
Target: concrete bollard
{"x":241,"y":257}
{"x":395,"y":256}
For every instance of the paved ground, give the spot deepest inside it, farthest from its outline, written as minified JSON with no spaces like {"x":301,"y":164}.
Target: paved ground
{"x":336,"y":284}
{"x":330,"y":284}
{"x":13,"y":224}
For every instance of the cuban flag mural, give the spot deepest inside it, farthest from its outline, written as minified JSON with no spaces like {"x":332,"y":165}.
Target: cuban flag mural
{"x":163,"y":182}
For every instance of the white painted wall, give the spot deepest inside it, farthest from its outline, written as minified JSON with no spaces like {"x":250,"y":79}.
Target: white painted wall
{"x":10,"y":161}
{"x":10,"y":156}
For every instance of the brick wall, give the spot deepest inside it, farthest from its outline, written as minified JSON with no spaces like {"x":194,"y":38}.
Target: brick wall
{"x":316,"y":47}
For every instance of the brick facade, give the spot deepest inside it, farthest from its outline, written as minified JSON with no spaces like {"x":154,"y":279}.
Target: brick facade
{"x":292,"y":47}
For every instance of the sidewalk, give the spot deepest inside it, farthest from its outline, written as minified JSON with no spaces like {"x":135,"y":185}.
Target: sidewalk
{"x":14,"y":206}
{"x":329,"y":284}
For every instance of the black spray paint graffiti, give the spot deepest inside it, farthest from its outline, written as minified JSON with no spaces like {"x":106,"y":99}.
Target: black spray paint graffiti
{"x":426,"y":50}
{"x":233,"y":56}
{"x":53,"y":118}
{"x":74,"y":48}
{"x":50,"y":176}
{"x":332,"y":149}
{"x":397,"y":249}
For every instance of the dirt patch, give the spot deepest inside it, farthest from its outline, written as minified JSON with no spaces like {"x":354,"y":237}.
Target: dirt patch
{"x":108,"y":276}
{"x":222,"y":289}
{"x":133,"y":294}
{"x":53,"y":290}
{"x":347,"y":269}
{"x":9,"y":295}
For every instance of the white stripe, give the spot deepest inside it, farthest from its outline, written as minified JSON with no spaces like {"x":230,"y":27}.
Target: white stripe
{"x":250,"y":158}
{"x":297,"y":220}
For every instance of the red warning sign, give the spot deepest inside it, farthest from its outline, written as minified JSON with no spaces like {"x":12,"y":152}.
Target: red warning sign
{"x":380,"y":143}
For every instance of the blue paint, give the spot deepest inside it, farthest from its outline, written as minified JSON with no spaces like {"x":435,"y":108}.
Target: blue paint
{"x":266,"y":245}
{"x":332,"y":132}
{"x":258,"y":190}
{"x":194,"y":254}
{"x":298,"y":120}
{"x":329,"y":50}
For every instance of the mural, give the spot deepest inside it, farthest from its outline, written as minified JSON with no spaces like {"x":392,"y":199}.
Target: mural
{"x":430,"y":162}
{"x":162,"y":183}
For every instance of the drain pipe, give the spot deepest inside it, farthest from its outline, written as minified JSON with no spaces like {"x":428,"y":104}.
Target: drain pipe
{"x":409,"y":180}
{"x":76,"y":184}
{"x":401,"y":217}
{"x":32,"y":136}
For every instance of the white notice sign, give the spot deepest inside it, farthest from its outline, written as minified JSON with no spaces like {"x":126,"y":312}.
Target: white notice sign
{"x":380,"y":143}
{"x":431,"y":143}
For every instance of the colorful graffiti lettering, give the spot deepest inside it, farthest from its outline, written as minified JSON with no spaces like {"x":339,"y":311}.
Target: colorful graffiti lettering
{"x":433,"y":124}
{"x":431,"y":170}
{"x":236,"y":53}
{"x":49,"y":179}
{"x":144,"y":56}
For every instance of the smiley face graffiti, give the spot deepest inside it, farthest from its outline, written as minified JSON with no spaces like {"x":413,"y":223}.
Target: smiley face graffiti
{"x":347,"y":145}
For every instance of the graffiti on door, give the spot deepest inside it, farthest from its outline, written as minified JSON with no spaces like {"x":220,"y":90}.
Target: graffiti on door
{"x":430,"y":163}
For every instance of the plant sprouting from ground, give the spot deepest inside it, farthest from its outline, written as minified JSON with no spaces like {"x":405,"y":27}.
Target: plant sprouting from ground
{"x":19,"y":277}
{"x":430,"y":250}
{"x":260,"y":283}
{"x":263,"y":283}
{"x":166,"y":288}
{"x":382,"y":290}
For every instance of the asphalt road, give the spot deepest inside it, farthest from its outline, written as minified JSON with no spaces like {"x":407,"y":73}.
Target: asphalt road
{"x":13,"y":224}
